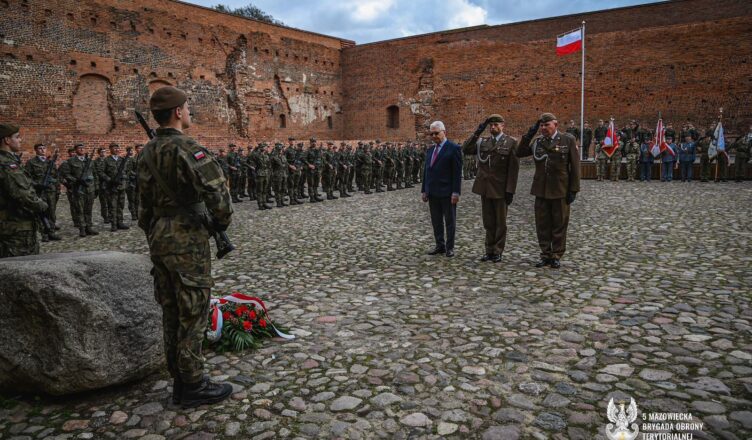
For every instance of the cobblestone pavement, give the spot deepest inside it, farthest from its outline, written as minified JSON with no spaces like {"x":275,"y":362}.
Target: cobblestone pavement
{"x":652,"y":302}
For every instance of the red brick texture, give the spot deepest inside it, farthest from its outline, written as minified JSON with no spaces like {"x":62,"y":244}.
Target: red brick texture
{"x":74,"y":70}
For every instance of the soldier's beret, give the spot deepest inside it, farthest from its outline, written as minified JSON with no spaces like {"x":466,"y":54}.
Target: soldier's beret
{"x":231,"y":145}
{"x":114,"y":145}
{"x":39,"y":145}
{"x":166,"y":98}
{"x":290,"y":138}
{"x":8,"y":130}
{"x":548,"y":117}
{"x":378,"y":141}
{"x":300,"y":144}
{"x":78,"y":145}
{"x":495,"y":118}
{"x":330,"y":143}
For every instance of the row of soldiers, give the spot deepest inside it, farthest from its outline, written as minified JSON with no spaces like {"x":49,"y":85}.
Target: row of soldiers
{"x":110,"y":177}
{"x":277,"y":173}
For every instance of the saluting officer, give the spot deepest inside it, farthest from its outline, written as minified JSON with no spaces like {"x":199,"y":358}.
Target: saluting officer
{"x":555,"y":184}
{"x":496,"y":182}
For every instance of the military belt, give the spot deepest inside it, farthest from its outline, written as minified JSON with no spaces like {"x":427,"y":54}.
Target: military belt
{"x":173,"y":211}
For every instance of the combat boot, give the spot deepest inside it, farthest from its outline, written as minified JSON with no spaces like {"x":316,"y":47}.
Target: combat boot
{"x":53,"y":237}
{"x":113,"y":227}
{"x":294,"y":202}
{"x":82,"y":232}
{"x":235,"y":199}
{"x":45,"y":238}
{"x":279,"y":204}
{"x":90,"y":231}
{"x":204,"y":392}
{"x":123,"y":226}
{"x":177,"y":390}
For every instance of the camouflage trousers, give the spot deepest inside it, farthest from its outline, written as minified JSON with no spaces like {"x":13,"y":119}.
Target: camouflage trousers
{"x":50,"y":197}
{"x":720,"y":169}
{"x":615,"y":168}
{"x":704,"y":168}
{"x":314,"y":178}
{"x":133,"y":201}
{"x":293,"y":183}
{"x":601,"y":166}
{"x":19,"y":244}
{"x":631,"y":168}
{"x":104,"y":204}
{"x":81,"y":207}
{"x":182,"y":285}
{"x":327,"y":182}
{"x":117,"y":205}
{"x":235,"y":182}
{"x":740,"y":168}
{"x":262,"y":187}
{"x":367,"y":181}
{"x":280,"y":188}
{"x":251,"y":186}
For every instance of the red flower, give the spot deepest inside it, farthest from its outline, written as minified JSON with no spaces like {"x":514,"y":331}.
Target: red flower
{"x":226,"y":315}
{"x":252,"y":315}
{"x":240,"y":310}
{"x":247,"y":325}
{"x":262,"y":323}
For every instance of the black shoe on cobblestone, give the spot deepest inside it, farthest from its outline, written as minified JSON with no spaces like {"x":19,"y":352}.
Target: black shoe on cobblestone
{"x":543,"y":262}
{"x":205,"y":392}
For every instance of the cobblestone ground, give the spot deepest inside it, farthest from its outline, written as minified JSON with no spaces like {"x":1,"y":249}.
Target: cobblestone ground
{"x":652,"y":302}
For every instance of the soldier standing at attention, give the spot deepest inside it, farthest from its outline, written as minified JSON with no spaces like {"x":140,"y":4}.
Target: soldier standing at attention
{"x":279,"y":173}
{"x":293,"y":173}
{"x":260,"y":161}
{"x":668,"y":161}
{"x":174,"y":163}
{"x":83,"y":184}
{"x":600,"y":133}
{"x":102,"y":193}
{"x":556,"y":183}
{"x":646,"y":161}
{"x":686,"y":157}
{"x":19,"y":203}
{"x":616,"y":164}
{"x":573,"y":130}
{"x":587,"y":139}
{"x":496,"y":183}
{"x":601,"y":162}
{"x":131,"y":190}
{"x":632,"y":153}
{"x":62,"y":171}
{"x":313,"y":162}
{"x":36,"y":168}
{"x":115,"y":178}
{"x":222,"y":161}
{"x":742,"y":148}
{"x":235,"y":167}
{"x":703,"y":144}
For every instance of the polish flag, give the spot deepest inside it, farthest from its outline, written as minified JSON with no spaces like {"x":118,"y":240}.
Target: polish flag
{"x":569,"y":42}
{"x":611,"y":142}
{"x":659,"y":144}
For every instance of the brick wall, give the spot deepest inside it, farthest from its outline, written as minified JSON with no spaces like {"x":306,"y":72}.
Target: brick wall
{"x":74,"y":70}
{"x":684,"y":58}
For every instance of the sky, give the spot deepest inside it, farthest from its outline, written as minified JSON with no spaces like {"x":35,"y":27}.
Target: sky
{"x":366,"y":21}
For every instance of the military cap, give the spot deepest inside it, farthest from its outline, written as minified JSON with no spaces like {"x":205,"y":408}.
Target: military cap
{"x":495,"y":118}
{"x":313,"y":139}
{"x":99,"y":150}
{"x":330,"y":143}
{"x":378,"y":141}
{"x":290,"y":138}
{"x":300,"y":144}
{"x":167,"y":98}
{"x":231,"y":145}
{"x":8,"y":130}
{"x":113,"y":145}
{"x":547,"y":117}
{"x":78,"y":145}
{"x":72,"y":149}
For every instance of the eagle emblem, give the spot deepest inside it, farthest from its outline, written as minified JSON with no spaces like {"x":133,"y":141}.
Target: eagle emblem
{"x":619,"y":428}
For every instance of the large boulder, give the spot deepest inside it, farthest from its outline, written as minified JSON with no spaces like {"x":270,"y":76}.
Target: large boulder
{"x":77,"y":321}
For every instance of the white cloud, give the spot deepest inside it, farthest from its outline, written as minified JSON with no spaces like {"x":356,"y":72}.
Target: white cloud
{"x":368,"y":10}
{"x":464,"y":14}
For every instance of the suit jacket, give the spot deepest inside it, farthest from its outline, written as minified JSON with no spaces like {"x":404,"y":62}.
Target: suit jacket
{"x":445,"y":176}
{"x":497,"y":175}
{"x":557,"y":165}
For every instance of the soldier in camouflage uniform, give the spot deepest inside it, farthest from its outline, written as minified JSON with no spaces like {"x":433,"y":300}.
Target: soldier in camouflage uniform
{"x":703,"y":144}
{"x":378,"y":166}
{"x":742,"y":147}
{"x":366,"y":161}
{"x":632,"y":153}
{"x":102,"y":193}
{"x":616,"y":164}
{"x":293,"y":173}
{"x":83,"y":183}
{"x":116,"y":180}
{"x":279,"y":173}
{"x":389,"y":166}
{"x":235,"y":167}
{"x":62,"y":171}
{"x":417,"y":163}
{"x":19,"y":203}
{"x":300,"y":163}
{"x":222,"y":161}
{"x":328,"y":171}
{"x":343,"y":171}
{"x":399,"y":166}
{"x":174,"y":163}
{"x":131,"y":189}
{"x":260,"y":161}
{"x":36,"y":168}
{"x":313,"y":163}
{"x":601,"y":161}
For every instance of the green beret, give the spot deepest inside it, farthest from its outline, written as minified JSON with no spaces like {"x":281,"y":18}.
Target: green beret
{"x":290,"y":138}
{"x":547,"y":117}
{"x":495,"y":118}
{"x":167,"y":98}
{"x":8,"y":130}
{"x":114,"y":145}
{"x":378,"y":141}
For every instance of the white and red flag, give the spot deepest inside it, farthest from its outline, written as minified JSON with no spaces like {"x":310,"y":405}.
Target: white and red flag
{"x":569,"y":43}
{"x":659,"y":143}
{"x":611,"y":142}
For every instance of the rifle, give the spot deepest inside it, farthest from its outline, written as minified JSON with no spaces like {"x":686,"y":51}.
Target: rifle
{"x":82,"y":180}
{"x":224,"y":246}
{"x":46,"y":180}
{"x":121,"y":167}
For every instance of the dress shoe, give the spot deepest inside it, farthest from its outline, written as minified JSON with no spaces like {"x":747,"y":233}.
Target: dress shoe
{"x":90,"y":231}
{"x":543,"y":262}
{"x":367,"y":192}
{"x":555,"y":263}
{"x":82,"y":232}
{"x":334,"y":197}
{"x":177,"y":390}
{"x":123,"y":226}
{"x":450,"y":253}
{"x":204,"y":392}
{"x":54,"y":237}
{"x":494,"y":258}
{"x":57,"y":228}
{"x":437,"y":250}
{"x":486,"y":257}
{"x":318,"y":199}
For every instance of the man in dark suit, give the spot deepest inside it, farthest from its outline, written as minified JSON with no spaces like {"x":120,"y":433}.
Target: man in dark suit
{"x":441,"y":187}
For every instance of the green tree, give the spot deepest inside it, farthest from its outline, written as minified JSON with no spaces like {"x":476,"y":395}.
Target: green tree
{"x":249,"y":11}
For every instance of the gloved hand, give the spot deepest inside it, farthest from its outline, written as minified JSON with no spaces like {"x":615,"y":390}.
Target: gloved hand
{"x":570,"y":197}
{"x":509,"y":197}
{"x":481,"y":128}
{"x":533,"y":129}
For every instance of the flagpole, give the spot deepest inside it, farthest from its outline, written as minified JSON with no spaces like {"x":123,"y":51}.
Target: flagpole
{"x":582,"y":95}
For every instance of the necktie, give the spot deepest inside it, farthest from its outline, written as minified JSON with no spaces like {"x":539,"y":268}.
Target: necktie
{"x":435,"y":154}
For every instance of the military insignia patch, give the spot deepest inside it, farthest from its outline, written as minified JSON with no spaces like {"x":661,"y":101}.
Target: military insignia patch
{"x":199,"y":155}
{"x":12,"y":166}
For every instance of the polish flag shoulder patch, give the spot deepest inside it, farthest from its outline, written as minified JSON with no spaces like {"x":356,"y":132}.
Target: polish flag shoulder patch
{"x":199,"y":155}
{"x":12,"y":166}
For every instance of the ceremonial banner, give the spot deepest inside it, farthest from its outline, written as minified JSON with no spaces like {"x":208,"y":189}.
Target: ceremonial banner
{"x":569,"y":43}
{"x":611,"y":142}
{"x":659,"y":143}
{"x":718,"y":145}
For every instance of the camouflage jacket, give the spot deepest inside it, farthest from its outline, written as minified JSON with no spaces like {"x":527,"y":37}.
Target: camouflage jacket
{"x":36,"y":168}
{"x":131,"y":171}
{"x":111,"y":167}
{"x":19,"y":202}
{"x":195,"y":177}
{"x":261,"y":163}
{"x":279,"y":165}
{"x":73,"y":173}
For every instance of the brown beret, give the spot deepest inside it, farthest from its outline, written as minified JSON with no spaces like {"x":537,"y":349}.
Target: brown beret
{"x":8,"y":130}
{"x":495,"y":118}
{"x":167,"y":98}
{"x":548,"y":117}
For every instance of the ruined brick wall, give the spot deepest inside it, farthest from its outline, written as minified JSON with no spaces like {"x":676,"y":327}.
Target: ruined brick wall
{"x":684,"y":58}
{"x":74,"y":70}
